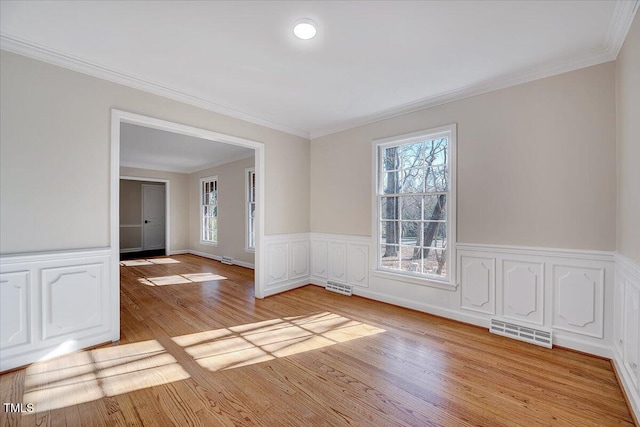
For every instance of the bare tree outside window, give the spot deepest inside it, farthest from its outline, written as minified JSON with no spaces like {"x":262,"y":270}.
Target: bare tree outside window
{"x":413,"y":198}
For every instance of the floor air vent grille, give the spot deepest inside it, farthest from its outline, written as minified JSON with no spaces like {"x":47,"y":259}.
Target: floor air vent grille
{"x":340,"y":288}
{"x":522,"y":333}
{"x":226,"y":260}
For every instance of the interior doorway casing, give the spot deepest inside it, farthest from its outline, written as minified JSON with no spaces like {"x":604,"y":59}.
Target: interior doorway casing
{"x":117,"y":118}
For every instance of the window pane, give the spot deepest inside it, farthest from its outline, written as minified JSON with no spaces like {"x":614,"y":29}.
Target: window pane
{"x":434,"y":262}
{"x":411,"y":155}
{"x":435,"y":234}
{"x":389,"y":232}
{"x":391,"y":182}
{"x":411,"y":207}
{"x":389,"y":208}
{"x":390,"y":159}
{"x":436,"y":151}
{"x":435,"y":207}
{"x":409,"y":232}
{"x":412,"y":181}
{"x":437,"y":179}
{"x":411,"y":259}
{"x":389,"y":256}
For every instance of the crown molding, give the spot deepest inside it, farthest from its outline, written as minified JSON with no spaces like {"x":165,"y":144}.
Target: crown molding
{"x":619,"y":26}
{"x":52,"y":56}
{"x":524,"y":76}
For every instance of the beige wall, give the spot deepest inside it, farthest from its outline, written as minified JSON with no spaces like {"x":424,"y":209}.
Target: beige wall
{"x":628,"y":144}
{"x":536,"y":164}
{"x":178,"y":203}
{"x":231,"y":210}
{"x":54,"y":156}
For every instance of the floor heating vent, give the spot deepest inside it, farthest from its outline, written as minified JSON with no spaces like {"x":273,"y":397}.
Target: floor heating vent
{"x":340,"y":288}
{"x":226,"y":260}
{"x":522,"y":333}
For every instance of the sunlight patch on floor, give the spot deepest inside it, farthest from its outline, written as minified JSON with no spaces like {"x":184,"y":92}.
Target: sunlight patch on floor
{"x":150,"y":261}
{"x":90,"y":375}
{"x":258,"y":342}
{"x":180,"y":279}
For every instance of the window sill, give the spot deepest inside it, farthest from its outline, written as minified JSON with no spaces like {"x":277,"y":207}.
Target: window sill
{"x":250,"y":250}
{"x":214,"y":244}
{"x":422,"y":281}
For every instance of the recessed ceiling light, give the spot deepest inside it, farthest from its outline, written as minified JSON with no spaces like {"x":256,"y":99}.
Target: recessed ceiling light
{"x":304,"y":29}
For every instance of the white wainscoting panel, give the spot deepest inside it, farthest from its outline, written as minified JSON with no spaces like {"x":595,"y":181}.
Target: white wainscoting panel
{"x":287,"y":262}
{"x":338,"y":261}
{"x":54,"y":303}
{"x":523,"y":291}
{"x":14,"y":306}
{"x":320,"y":259}
{"x":81,"y":287}
{"x":627,"y":329}
{"x":358,"y":264}
{"x":477,"y":284}
{"x":340,"y":258}
{"x":579,"y":299}
{"x":570,"y":292}
{"x":299,"y":259}
{"x":277,"y":262}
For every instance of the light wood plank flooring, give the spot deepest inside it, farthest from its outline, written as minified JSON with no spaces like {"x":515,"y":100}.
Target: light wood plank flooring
{"x":198,"y":350}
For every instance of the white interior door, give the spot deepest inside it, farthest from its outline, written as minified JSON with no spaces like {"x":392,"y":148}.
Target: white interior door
{"x":153,"y":217}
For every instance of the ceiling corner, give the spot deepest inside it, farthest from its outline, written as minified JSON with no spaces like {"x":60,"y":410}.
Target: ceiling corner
{"x":621,"y":21}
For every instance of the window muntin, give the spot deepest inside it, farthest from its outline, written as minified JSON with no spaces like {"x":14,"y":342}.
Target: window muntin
{"x":251,"y":207}
{"x":209,"y":209}
{"x":414,"y":192}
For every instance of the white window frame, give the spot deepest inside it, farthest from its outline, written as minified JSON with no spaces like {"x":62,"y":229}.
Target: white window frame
{"x":200,"y":207}
{"x":248,"y":173}
{"x":448,"y":282}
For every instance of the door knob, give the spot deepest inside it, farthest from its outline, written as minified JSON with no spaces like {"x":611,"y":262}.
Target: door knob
{"x":146,"y":221}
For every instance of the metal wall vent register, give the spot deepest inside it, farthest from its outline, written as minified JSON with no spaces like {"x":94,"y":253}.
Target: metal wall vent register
{"x":340,"y":288}
{"x":522,"y":333}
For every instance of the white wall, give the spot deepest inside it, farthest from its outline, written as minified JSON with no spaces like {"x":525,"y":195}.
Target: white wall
{"x":628,"y":144}
{"x":54,"y":156}
{"x":231,"y":210}
{"x":178,"y":203}
{"x":627,"y":286}
{"x":536,"y":164}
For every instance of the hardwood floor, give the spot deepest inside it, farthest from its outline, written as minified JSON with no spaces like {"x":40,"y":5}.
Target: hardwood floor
{"x":198,"y":349}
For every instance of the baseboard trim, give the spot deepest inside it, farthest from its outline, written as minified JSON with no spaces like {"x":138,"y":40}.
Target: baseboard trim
{"x":298,"y":283}
{"x":179,"y":252}
{"x":632,"y":396}
{"x":219,"y":258}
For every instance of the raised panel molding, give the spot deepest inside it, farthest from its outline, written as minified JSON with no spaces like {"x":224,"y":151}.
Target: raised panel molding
{"x":277,"y":263}
{"x":618,"y":313}
{"x":523,"y":291}
{"x":579,"y":300}
{"x":53,"y":303}
{"x":631,"y":346}
{"x":338,"y":262}
{"x":299,"y":259}
{"x":626,"y":310}
{"x":358,"y":264}
{"x":477,"y":284}
{"x":320,"y":258}
{"x":14,"y":306}
{"x":77,"y":286}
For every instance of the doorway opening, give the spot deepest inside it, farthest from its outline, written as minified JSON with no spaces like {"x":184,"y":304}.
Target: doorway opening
{"x":145,"y":217}
{"x":121,"y":120}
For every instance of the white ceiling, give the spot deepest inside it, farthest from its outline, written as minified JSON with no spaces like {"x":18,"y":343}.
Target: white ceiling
{"x":370,"y":60}
{"x":148,"y":148}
